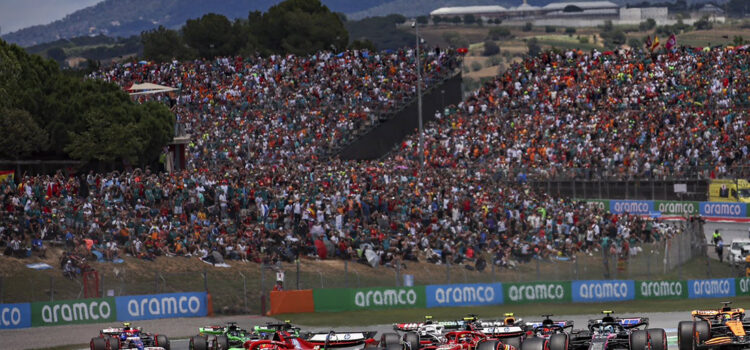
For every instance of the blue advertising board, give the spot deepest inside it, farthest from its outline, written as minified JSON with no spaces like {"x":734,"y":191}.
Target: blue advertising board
{"x":723,"y":210}
{"x":631,"y":207}
{"x":464,"y":294}
{"x":596,"y":291}
{"x":149,"y":307}
{"x":15,"y":316}
{"x":713,"y":288}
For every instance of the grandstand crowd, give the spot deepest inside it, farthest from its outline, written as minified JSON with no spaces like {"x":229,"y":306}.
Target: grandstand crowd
{"x":255,"y":189}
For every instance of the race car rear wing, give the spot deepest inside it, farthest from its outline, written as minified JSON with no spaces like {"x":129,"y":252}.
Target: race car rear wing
{"x":413,"y":326}
{"x":340,"y":339}
{"x":626,"y":323}
{"x":562,"y":324}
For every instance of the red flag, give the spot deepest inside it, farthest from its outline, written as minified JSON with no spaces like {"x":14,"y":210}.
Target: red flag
{"x":648,"y":42}
{"x":671,"y":42}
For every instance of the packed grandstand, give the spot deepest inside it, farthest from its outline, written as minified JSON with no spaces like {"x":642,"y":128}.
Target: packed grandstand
{"x":255,"y":187}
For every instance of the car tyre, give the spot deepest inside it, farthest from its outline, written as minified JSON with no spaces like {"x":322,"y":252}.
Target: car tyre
{"x":685,"y":335}
{"x":394,"y":347}
{"x":387,"y":339}
{"x":198,"y":343}
{"x":639,"y":340}
{"x":221,"y":342}
{"x":535,"y":344}
{"x":98,"y":343}
{"x":162,"y":341}
{"x":113,"y":343}
{"x":658,"y":338}
{"x":412,"y":339}
{"x":703,"y":330}
{"x":488,"y":345}
{"x":514,"y":342}
{"x":558,"y":342}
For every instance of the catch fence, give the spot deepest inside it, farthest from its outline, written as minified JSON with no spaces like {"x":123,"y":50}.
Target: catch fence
{"x":244,"y":287}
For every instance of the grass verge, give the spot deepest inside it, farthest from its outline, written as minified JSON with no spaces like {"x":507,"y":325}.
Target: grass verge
{"x":364,"y":318}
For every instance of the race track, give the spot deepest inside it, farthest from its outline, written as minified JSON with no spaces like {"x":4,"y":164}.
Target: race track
{"x":44,"y":337}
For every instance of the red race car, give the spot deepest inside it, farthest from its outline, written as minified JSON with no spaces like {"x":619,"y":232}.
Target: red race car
{"x":470,"y":340}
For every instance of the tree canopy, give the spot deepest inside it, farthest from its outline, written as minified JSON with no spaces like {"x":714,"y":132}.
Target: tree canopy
{"x":46,"y":113}
{"x":292,"y":26}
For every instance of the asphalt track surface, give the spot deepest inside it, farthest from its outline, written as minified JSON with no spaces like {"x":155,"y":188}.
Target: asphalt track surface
{"x":45,"y":337}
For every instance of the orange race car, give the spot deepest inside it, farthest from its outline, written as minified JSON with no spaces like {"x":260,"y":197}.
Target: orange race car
{"x":724,"y":327}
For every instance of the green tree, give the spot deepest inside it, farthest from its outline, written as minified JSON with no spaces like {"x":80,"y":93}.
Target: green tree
{"x":469,"y":19}
{"x":533,"y":46}
{"x":498,"y":33}
{"x":608,"y":26}
{"x":437,"y":19}
{"x":364,"y":44}
{"x":635,"y":43}
{"x":423,"y":20}
{"x":570,"y":31}
{"x":162,"y":45}
{"x":302,"y":27}
{"x":61,"y":116}
{"x":211,"y":35}
{"x":549,"y":29}
{"x":647,"y":25}
{"x":22,"y":135}
{"x":703,"y":24}
{"x":456,"y":20}
{"x":527,"y":27}
{"x":57,"y":54}
{"x":490,"y":48}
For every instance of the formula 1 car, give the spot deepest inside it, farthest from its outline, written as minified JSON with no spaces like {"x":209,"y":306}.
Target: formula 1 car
{"x":127,"y":337}
{"x":282,"y":340}
{"x":554,"y":332}
{"x":221,"y":337}
{"x":429,"y":332}
{"x":510,"y":330}
{"x":724,"y":327}
{"x":610,"y":333}
{"x":333,"y":339}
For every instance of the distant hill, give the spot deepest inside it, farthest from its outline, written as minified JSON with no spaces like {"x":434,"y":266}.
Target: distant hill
{"x":123,"y":18}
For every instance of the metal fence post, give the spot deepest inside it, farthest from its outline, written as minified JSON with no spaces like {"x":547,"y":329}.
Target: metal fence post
{"x":297,"y":272}
{"x":447,"y":272}
{"x":492,"y":263}
{"x":156,"y":282}
{"x":244,"y":290}
{"x":262,"y":289}
{"x":2,"y":291}
{"x":346,"y":273}
{"x":51,"y":289}
{"x":205,"y":280}
{"x":538,"y":272}
{"x":321,"y":280}
{"x":708,"y":264}
{"x":679,"y":261}
{"x":397,"y":272}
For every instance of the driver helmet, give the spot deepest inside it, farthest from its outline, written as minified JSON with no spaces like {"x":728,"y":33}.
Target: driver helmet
{"x":123,"y":336}
{"x":609,"y":329}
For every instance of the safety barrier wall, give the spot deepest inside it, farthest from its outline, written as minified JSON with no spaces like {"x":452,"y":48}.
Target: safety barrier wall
{"x":125,"y":308}
{"x":484,"y":294}
{"x":730,"y":210}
